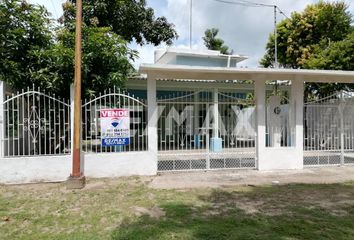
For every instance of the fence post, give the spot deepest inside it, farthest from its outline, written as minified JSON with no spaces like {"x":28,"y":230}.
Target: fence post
{"x":297,"y":90}
{"x":2,"y":118}
{"x":152,"y":116}
{"x":260,"y":97}
{"x":341,"y":115}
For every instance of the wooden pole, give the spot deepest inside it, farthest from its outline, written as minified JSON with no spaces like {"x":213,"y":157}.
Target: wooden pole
{"x":77,"y":179}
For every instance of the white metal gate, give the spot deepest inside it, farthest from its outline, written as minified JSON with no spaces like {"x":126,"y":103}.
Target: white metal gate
{"x":185,"y":128}
{"x":329,"y":130}
{"x":35,"y":123}
{"x":111,"y":99}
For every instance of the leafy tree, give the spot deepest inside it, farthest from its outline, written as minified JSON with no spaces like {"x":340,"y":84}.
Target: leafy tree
{"x":131,"y":19}
{"x":317,"y":38}
{"x":24,"y":29}
{"x":33,"y":52}
{"x":337,"y":56}
{"x":214,"y":43}
{"x":318,"y":25}
{"x":105,"y":63}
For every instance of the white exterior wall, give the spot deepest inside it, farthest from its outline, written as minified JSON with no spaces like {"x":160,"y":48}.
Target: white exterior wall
{"x":276,"y":158}
{"x":58,"y":168}
{"x":152,"y":121}
{"x":282,"y":158}
{"x":35,"y":169}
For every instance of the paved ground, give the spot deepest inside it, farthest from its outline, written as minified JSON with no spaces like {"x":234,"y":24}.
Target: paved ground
{"x":252,"y":177}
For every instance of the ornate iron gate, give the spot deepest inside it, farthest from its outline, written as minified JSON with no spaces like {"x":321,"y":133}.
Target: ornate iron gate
{"x":329,"y":130}
{"x":185,"y":128}
{"x":35,"y":123}
{"x":91,"y":124}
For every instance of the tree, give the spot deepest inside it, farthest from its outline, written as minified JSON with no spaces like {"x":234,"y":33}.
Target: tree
{"x":105,"y":63}
{"x":315,"y":39}
{"x":318,"y":25}
{"x":131,"y":19}
{"x":337,"y":56}
{"x":24,"y":29}
{"x":32,"y":51}
{"x":214,"y":43}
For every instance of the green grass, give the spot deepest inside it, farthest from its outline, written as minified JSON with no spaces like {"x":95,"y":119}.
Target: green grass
{"x":107,"y":209}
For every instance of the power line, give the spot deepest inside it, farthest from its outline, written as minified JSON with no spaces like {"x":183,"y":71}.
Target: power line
{"x":251,"y":4}
{"x":246,"y":3}
{"x":281,"y":12}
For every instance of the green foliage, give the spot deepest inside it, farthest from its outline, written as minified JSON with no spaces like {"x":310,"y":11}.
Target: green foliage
{"x":318,"y":25}
{"x":337,"y":56}
{"x":317,"y":38}
{"x":24,"y":30}
{"x":33,"y":52}
{"x":214,"y":43}
{"x":105,"y":62}
{"x":131,"y":19}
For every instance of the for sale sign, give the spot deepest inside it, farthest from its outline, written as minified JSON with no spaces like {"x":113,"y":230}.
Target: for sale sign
{"x":115,"y":127}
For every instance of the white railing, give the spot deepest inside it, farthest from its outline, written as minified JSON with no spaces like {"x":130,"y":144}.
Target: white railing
{"x":35,"y":123}
{"x":329,"y":130}
{"x":113,"y":99}
{"x":186,"y":127}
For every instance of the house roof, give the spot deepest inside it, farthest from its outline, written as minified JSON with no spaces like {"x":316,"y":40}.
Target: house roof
{"x":179,"y":72}
{"x":164,"y":56}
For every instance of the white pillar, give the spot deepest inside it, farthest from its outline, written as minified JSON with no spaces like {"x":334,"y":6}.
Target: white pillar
{"x":216,"y":113}
{"x":196,"y":113}
{"x":196,"y":134}
{"x":260,"y":93}
{"x":152,"y":117}
{"x":297,"y":90}
{"x":215,"y":141}
{"x":2,"y":122}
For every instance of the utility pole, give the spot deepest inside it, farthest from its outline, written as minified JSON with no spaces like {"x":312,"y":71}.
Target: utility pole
{"x":77,"y":178}
{"x":276,"y":64}
{"x":190,"y":23}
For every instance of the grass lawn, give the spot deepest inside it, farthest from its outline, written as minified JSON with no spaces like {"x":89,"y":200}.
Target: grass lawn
{"x":127,"y":208}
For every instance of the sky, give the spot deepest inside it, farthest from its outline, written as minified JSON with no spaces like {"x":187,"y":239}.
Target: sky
{"x":244,"y":29}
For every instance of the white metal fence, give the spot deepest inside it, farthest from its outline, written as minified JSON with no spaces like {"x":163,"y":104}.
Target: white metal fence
{"x":35,"y":123}
{"x":279,"y":119}
{"x":185,"y":127}
{"x":329,"y":130}
{"x":38,"y":124}
{"x":113,"y":99}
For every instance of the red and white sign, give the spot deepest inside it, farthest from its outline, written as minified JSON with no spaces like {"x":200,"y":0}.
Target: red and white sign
{"x":115,"y":127}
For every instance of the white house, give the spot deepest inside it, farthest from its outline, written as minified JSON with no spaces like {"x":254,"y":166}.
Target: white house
{"x":188,"y":111}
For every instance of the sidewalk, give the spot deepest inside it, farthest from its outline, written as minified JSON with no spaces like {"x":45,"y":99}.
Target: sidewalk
{"x":181,"y":180}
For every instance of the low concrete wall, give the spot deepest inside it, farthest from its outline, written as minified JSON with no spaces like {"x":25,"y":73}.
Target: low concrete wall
{"x":58,"y":168}
{"x":35,"y":169}
{"x":120,"y":164}
{"x":280,"y":159}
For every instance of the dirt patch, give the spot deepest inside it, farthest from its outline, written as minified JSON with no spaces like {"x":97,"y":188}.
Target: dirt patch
{"x":154,"y":212}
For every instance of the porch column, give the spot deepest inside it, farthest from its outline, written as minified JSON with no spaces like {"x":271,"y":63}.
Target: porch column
{"x":297,"y":99}
{"x":196,"y":120}
{"x":215,"y":141}
{"x":260,"y":93}
{"x":152,"y":119}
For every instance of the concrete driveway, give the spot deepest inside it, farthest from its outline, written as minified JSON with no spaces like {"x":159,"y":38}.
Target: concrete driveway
{"x":333,"y":174}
